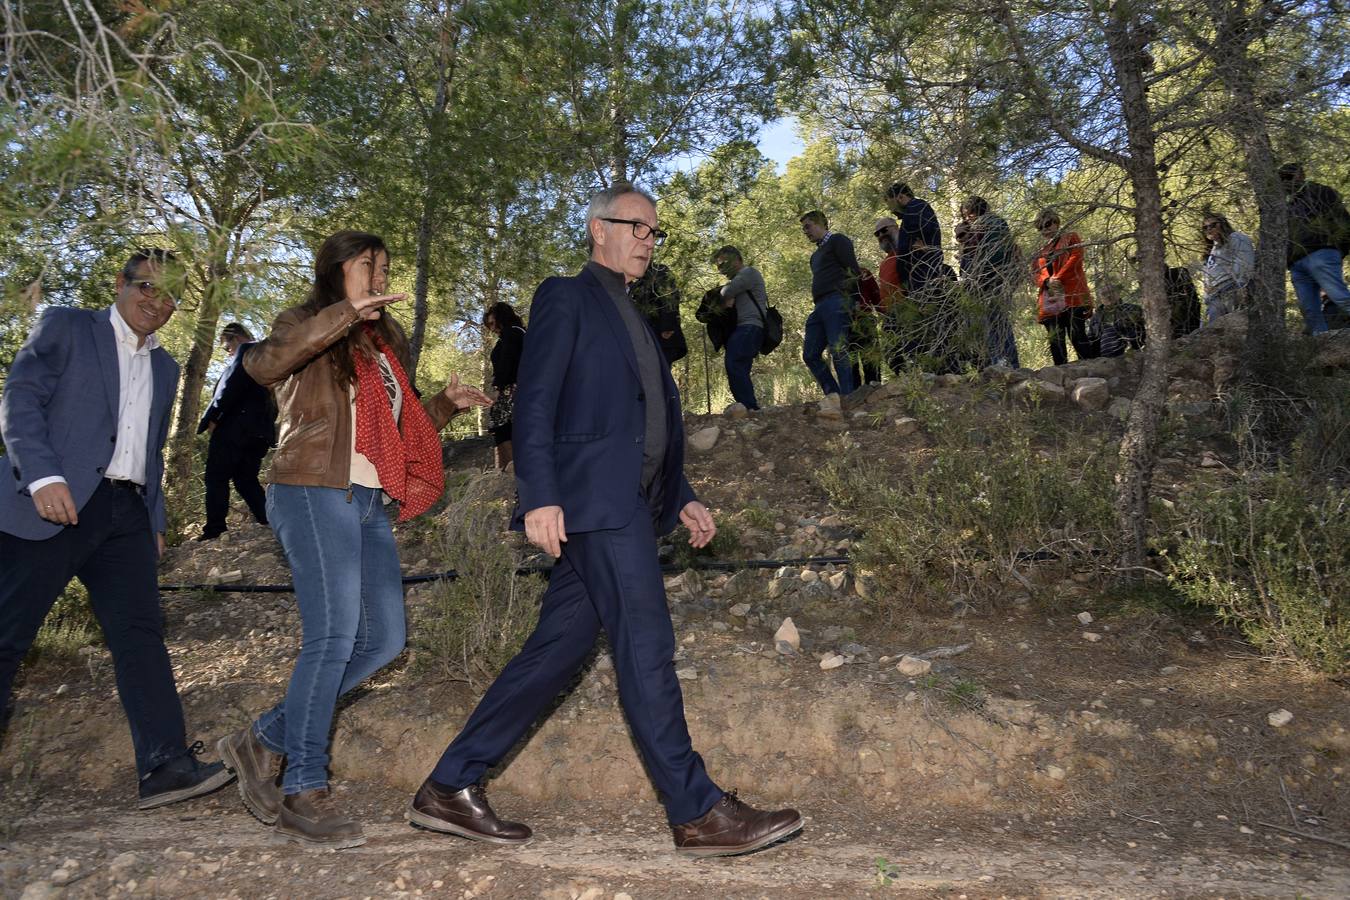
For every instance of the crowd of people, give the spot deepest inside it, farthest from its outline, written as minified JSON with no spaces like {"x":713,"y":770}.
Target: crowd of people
{"x":585,"y":408}
{"x":583,"y":404}
{"x":915,"y":310}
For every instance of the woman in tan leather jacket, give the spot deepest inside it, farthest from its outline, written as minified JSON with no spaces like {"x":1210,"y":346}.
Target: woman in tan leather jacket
{"x":351,"y":436}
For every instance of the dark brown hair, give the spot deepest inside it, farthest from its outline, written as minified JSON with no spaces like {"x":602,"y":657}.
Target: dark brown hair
{"x":330,"y":287}
{"x":1225,"y":229}
{"x":503,"y":315}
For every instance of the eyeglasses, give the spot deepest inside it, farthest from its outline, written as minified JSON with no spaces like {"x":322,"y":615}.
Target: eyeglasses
{"x":641,"y":230}
{"x":152,"y":291}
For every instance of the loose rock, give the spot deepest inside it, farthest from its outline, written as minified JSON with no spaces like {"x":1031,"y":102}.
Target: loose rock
{"x":1280,"y":718}
{"x":913,"y":666}
{"x":787,"y":634}
{"x":704,"y":439}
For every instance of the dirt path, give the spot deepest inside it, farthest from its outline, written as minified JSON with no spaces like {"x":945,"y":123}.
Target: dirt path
{"x":211,"y":848}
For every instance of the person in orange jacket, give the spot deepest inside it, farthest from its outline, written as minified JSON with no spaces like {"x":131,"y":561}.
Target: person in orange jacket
{"x":1064,"y":303}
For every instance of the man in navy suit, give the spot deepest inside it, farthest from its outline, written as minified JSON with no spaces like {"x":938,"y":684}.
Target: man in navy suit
{"x":242,"y":420}
{"x":84,"y":417}
{"x":599,"y":474}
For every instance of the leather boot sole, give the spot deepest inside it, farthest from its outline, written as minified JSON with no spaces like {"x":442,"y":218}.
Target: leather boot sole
{"x":431,"y":823}
{"x":205,"y":786}
{"x":232,"y":763}
{"x":735,"y":850}
{"x":310,"y":843}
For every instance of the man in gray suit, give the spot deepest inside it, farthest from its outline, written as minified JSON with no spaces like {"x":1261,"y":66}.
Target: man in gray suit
{"x":84,"y":417}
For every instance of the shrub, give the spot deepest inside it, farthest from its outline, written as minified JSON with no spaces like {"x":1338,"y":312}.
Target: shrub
{"x":475,"y":623}
{"x":1271,"y":555}
{"x":69,"y":626}
{"x":985,"y":501}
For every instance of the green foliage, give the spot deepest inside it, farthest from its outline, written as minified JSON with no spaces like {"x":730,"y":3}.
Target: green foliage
{"x":69,"y":626}
{"x":475,"y":623}
{"x":1271,"y":555}
{"x":991,"y":493}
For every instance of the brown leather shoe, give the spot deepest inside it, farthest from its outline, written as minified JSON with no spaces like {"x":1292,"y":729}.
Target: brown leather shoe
{"x":259,"y":771}
{"x":311,"y":818}
{"x":465,"y":813}
{"x":733,"y":827}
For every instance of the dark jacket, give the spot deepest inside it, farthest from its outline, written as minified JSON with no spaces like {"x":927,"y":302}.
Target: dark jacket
{"x":506,"y":357}
{"x":834,"y":267}
{"x":580,"y":416}
{"x":59,"y":417}
{"x":657,"y":296}
{"x":244,"y":412}
{"x":1317,"y":221}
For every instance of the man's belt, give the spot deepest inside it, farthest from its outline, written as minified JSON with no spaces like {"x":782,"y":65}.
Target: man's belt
{"x":127,"y":484}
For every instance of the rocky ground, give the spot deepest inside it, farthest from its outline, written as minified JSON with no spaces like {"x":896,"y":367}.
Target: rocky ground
{"x":1049,"y":743}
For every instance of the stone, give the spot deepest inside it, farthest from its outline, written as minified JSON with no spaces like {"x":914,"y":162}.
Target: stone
{"x":787,"y":634}
{"x":832,"y":661}
{"x":123,"y":861}
{"x":865,"y":585}
{"x":62,"y":690}
{"x":1280,"y":718}
{"x":1055,"y":375}
{"x":740,"y":610}
{"x":905,"y":425}
{"x":830,"y":407}
{"x":947,"y":380}
{"x":1091,"y":393}
{"x":1037,"y":390}
{"x":913,"y":666}
{"x":816,"y":590}
{"x":838,"y":580}
{"x":736,"y":411}
{"x":778,"y":587}
{"x":687,"y":674}
{"x":739,"y":584}
{"x":1208,"y":460}
{"x":809,"y":575}
{"x":1085,"y":618}
{"x":39,"y":890}
{"x":1056,"y":773}
{"x":1119,"y":408}
{"x":1091,"y":637}
{"x":704,"y":439}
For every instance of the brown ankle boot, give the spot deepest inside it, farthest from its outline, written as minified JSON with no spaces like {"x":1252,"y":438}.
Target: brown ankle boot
{"x":733,"y":827}
{"x":259,"y":771}
{"x":312,"y":819}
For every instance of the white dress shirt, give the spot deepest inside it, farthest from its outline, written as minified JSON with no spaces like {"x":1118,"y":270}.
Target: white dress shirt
{"x":135,"y":390}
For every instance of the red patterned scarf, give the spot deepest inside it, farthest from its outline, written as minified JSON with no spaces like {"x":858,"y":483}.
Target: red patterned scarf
{"x":409,"y":464}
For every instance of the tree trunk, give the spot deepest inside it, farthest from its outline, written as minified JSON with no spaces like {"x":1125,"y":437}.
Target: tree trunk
{"x":421,"y":282}
{"x":183,"y":441}
{"x":1264,"y":353}
{"x":1138,"y":447}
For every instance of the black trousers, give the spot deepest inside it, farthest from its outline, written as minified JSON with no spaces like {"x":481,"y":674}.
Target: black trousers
{"x":112,"y":551}
{"x":1072,"y":323}
{"x":229,"y":459}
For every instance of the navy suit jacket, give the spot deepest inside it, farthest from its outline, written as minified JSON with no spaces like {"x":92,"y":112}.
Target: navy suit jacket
{"x":58,"y":416}
{"x":579,"y":423}
{"x":244,"y":412}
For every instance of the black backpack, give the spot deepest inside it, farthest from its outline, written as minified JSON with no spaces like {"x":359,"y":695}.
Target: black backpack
{"x":773,"y":327}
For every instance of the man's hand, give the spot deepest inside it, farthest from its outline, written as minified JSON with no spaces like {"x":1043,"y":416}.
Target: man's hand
{"x":159,"y":545}
{"x":699,"y":521}
{"x":54,"y":503}
{"x":545,"y":529}
{"x":210,"y":426}
{"x":464,"y":396}
{"x":368,"y":308}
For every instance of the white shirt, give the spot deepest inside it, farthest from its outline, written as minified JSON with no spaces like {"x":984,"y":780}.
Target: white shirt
{"x":134,"y":393}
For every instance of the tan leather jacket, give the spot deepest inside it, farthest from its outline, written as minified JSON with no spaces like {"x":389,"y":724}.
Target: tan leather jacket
{"x":314,"y":416}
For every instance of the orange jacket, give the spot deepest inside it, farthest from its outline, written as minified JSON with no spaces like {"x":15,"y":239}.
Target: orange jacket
{"x":888,"y":281}
{"x":1062,"y":259}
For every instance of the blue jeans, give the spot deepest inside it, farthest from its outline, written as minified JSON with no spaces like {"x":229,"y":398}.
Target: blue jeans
{"x":1222,"y":302}
{"x":742,"y":348}
{"x":828,"y":327}
{"x":1319,"y":271}
{"x":344,"y":563}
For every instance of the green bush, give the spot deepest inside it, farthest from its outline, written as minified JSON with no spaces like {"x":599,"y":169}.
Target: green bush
{"x":69,"y":626}
{"x":983,"y":502}
{"x":1271,"y":555}
{"x":477,"y":622}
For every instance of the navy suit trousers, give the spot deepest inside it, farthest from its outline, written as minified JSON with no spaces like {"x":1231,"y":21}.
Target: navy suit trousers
{"x":112,"y":551}
{"x":604,"y":579}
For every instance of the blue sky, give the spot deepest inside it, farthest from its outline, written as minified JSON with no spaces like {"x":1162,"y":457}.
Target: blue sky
{"x":777,"y":140}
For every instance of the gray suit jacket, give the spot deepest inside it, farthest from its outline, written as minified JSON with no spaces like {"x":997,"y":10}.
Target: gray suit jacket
{"x":58,"y":416}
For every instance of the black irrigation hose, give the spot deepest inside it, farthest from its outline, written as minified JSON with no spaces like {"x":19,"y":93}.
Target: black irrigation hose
{"x":449,"y":575}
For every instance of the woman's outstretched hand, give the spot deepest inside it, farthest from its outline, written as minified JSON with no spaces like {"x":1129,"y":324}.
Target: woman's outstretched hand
{"x":464,"y":396}
{"x":368,"y":308}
